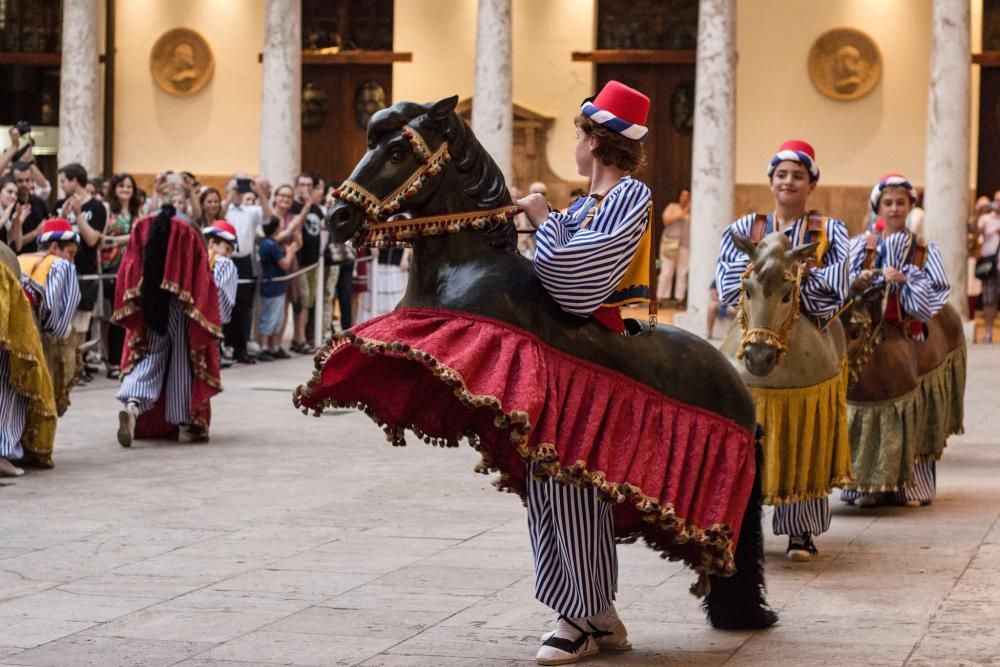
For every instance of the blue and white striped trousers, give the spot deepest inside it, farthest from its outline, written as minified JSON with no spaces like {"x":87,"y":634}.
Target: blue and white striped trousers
{"x":572,"y":539}
{"x":166,"y":366}
{"x":808,"y":516}
{"x":923,"y":489}
{"x":14,"y":409}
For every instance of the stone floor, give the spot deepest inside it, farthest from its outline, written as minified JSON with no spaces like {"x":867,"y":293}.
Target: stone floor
{"x":294,"y":540}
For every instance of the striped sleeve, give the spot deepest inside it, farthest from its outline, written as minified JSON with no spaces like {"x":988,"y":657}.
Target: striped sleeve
{"x":926,"y":290}
{"x":827,"y":288}
{"x":857,"y":257}
{"x":224,"y":272}
{"x":580,"y":268}
{"x":732,"y":262}
{"x":62,"y":296}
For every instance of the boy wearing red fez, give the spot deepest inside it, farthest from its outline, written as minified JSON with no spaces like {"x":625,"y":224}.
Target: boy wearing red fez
{"x":586,"y":258}
{"x":222,"y":242}
{"x":793,"y":175}
{"x":53,"y":269}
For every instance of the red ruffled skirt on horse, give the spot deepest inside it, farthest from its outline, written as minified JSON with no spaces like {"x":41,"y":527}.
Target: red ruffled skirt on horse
{"x":679,"y":476}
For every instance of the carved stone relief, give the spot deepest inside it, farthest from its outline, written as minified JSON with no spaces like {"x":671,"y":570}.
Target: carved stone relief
{"x":181,"y":62}
{"x":844,"y":64}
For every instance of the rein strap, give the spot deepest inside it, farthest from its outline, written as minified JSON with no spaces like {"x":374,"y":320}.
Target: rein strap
{"x":776,"y":338}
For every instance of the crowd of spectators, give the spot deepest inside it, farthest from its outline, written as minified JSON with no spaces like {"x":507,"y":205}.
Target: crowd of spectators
{"x":280,"y":245}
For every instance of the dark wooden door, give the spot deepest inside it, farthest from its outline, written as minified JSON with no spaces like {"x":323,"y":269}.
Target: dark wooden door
{"x":335,"y":146}
{"x":988,"y":178}
{"x":670,"y":89}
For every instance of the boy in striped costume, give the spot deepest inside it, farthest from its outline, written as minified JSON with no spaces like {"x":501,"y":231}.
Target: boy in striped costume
{"x":52,"y":268}
{"x":793,"y":176}
{"x":222,"y":242}
{"x":581,"y":258}
{"x":28,"y":427}
{"x":918,"y":289}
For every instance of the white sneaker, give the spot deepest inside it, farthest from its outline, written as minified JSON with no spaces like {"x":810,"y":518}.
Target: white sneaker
{"x":568,"y":643}
{"x":8,"y":469}
{"x":126,"y":424}
{"x":609,"y":637}
{"x":185,"y":433}
{"x":867,"y":500}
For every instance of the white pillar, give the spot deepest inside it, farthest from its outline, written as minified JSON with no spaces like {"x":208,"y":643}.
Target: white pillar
{"x":492,"y":105}
{"x":280,"y":109}
{"x":713,"y":154}
{"x":79,"y":87}
{"x":946,"y":182}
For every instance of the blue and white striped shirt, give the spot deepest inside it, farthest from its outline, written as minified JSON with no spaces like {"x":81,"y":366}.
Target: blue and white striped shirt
{"x":823,"y":292}
{"x":925,"y":291}
{"x":581,"y":268}
{"x":224,"y":272}
{"x":62,"y":296}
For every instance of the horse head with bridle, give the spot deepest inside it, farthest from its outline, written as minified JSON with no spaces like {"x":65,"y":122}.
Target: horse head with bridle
{"x":426,"y":182}
{"x":884,"y":361}
{"x":779,"y":347}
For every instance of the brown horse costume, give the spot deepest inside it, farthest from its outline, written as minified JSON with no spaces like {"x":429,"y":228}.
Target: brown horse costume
{"x":905,"y":397}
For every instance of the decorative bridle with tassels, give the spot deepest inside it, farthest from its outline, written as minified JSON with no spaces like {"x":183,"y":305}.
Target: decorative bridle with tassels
{"x":776,"y":338}
{"x":380,"y":232}
{"x":872,"y":335}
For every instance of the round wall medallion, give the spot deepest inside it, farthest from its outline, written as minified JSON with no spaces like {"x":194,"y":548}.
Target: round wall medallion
{"x":369,"y":98}
{"x":844,"y":64}
{"x":181,"y":62}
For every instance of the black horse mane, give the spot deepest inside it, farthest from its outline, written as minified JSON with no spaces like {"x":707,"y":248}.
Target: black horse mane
{"x":484,"y":182}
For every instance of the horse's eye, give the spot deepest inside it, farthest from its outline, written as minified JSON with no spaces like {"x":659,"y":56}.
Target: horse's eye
{"x":397,"y":155}
{"x":787,"y":298}
{"x":855,"y":334}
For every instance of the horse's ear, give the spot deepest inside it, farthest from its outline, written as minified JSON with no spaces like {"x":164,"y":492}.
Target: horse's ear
{"x":441,"y":109}
{"x":802,"y":253}
{"x":745,"y":245}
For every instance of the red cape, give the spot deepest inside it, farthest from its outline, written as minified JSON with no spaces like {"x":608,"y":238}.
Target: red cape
{"x":187,"y":276}
{"x":679,"y":476}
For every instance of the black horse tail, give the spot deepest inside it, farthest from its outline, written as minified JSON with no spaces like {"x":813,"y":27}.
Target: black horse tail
{"x":156,"y":300}
{"x":738,"y":602}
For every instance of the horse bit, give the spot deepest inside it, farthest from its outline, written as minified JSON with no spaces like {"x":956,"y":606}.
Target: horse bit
{"x":378,"y":210}
{"x":776,"y":338}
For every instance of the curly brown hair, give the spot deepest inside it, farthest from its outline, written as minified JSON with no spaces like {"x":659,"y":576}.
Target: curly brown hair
{"x":613,"y":149}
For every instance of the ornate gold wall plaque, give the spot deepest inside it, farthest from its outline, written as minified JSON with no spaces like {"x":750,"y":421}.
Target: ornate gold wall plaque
{"x":181,"y":62}
{"x":844,"y":64}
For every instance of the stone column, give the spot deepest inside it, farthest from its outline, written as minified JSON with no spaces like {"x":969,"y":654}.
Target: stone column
{"x":713,"y":154}
{"x":946,"y":181}
{"x":79,"y":88}
{"x":281,"y":97}
{"x":492,"y":106}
